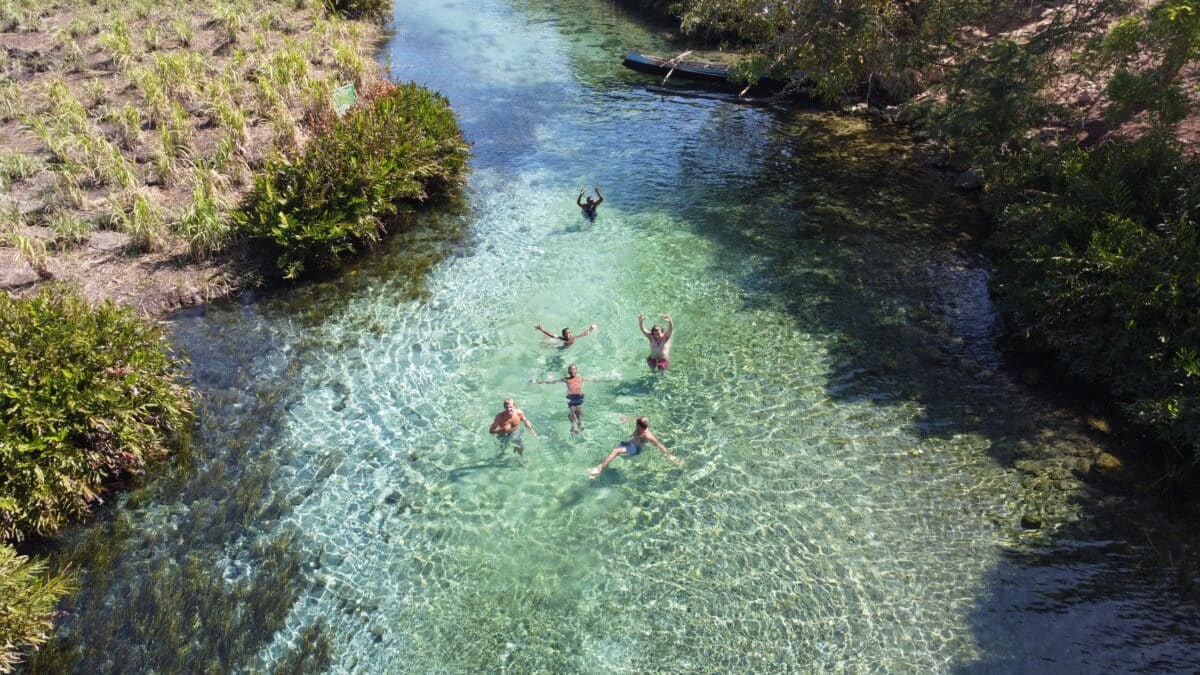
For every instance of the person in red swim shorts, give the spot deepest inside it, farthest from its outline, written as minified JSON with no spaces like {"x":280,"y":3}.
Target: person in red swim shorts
{"x":660,"y":342}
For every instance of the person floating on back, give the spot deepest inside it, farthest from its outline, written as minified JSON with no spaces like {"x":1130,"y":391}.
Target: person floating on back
{"x":574,"y":396}
{"x":641,"y":436}
{"x":589,"y":207}
{"x":567,"y":338}
{"x":660,"y":342}
{"x":507,"y":427}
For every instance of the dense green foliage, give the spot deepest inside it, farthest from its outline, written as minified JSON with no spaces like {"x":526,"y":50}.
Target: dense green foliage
{"x":873,"y":46}
{"x":27,"y":609}
{"x":371,"y":10}
{"x":400,"y":145}
{"x":1101,"y":267}
{"x":1149,"y":53}
{"x":992,"y":101}
{"x":1097,"y":247}
{"x":87,"y":395}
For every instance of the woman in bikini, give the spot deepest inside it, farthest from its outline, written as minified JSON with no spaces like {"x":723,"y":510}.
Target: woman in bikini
{"x":641,"y":436}
{"x":567,"y":338}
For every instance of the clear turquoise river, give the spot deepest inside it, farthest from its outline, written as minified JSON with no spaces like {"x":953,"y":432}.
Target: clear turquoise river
{"x":846,"y":499}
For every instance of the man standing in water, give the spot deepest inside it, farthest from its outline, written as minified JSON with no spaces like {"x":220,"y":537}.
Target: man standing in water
{"x":660,"y":342}
{"x":567,"y":338}
{"x":574,"y":396}
{"x":589,"y":208}
{"x":507,"y":426}
{"x":632,"y":447}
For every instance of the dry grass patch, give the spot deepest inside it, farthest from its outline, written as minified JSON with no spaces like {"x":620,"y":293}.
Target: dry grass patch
{"x":147,"y":119}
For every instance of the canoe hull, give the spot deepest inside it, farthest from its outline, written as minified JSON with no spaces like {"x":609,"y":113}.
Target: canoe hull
{"x":692,"y":70}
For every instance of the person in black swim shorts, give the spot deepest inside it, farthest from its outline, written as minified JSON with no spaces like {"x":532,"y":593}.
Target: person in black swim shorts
{"x":589,"y":207}
{"x":574,"y":396}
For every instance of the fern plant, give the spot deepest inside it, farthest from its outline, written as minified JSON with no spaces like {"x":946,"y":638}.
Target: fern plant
{"x":401,"y":145}
{"x":90,"y":395}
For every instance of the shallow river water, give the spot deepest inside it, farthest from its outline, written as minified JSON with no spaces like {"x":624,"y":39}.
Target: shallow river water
{"x":845,"y":499}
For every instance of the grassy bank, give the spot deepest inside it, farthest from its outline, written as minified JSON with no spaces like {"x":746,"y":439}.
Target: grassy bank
{"x":148,"y":118}
{"x":140,"y":143}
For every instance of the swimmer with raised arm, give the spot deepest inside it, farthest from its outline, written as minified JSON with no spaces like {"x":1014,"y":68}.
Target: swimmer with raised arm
{"x":660,"y":342}
{"x":567,"y":338}
{"x":574,"y":396}
{"x":507,"y":427}
{"x":589,"y":207}
{"x":641,"y":436}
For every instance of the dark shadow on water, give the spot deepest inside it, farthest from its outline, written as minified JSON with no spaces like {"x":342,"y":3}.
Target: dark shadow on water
{"x":502,"y":461}
{"x":908,"y":307}
{"x":575,"y":495}
{"x":587,"y":225}
{"x":641,"y":386}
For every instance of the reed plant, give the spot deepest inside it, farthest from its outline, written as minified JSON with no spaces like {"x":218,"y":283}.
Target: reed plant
{"x":12,"y":218}
{"x":133,"y":213}
{"x":67,"y":228}
{"x":179,"y":74}
{"x":153,"y":37}
{"x":33,"y":251}
{"x":180,"y":27}
{"x":63,"y":109}
{"x":31,"y":596}
{"x":53,"y":138}
{"x":142,"y":9}
{"x":205,"y":224}
{"x":128,"y":123}
{"x":229,"y":19}
{"x":12,"y":103}
{"x":67,"y":186}
{"x":232,"y":118}
{"x":96,"y":92}
{"x":229,"y":162}
{"x":118,"y":42}
{"x":84,"y":25}
{"x":113,"y":165}
{"x":350,"y":63}
{"x":16,"y":166}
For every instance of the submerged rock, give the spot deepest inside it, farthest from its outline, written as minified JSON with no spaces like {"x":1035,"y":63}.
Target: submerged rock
{"x":1109,"y":467}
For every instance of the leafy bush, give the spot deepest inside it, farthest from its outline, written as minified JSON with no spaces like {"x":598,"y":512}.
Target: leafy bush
{"x":27,"y":612}
{"x":994,"y":98}
{"x":1099,"y":267}
{"x":401,"y":144}
{"x":87,"y":395}
{"x":371,"y":10}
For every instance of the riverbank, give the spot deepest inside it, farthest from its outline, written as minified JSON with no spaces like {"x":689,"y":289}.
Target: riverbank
{"x":129,"y":132}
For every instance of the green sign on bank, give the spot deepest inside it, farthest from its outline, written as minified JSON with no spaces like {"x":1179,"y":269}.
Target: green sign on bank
{"x":343,"y":98}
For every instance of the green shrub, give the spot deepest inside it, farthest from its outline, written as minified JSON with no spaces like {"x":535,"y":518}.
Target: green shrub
{"x":87,"y":395}
{"x":370,"y":10}
{"x":1100,"y":252}
{"x":401,"y":144}
{"x":27,"y":612}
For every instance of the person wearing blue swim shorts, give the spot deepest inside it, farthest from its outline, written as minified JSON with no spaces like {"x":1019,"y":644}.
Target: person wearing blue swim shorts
{"x":641,"y":436}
